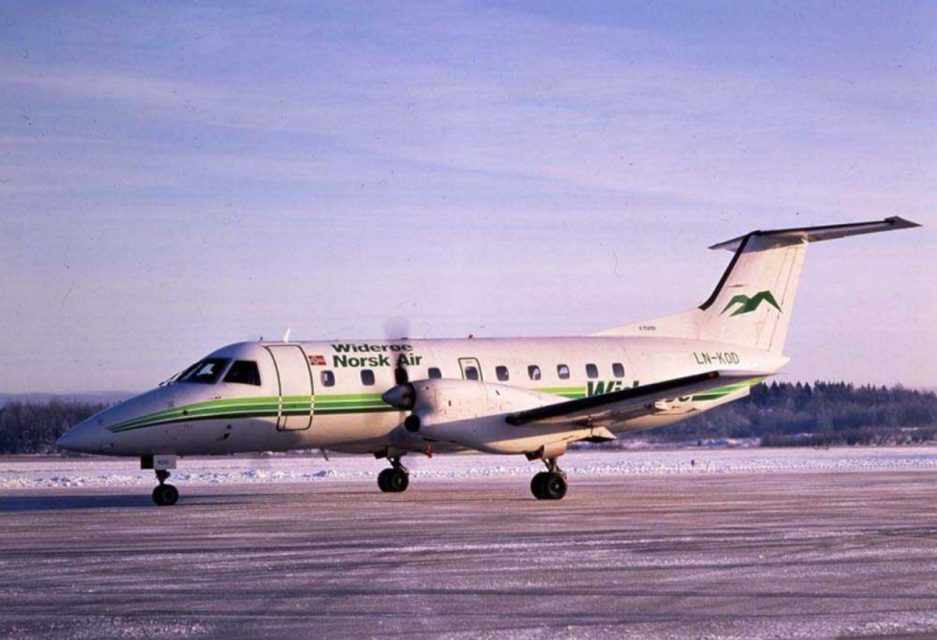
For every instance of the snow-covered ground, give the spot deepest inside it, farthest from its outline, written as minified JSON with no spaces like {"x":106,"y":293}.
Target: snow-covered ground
{"x":24,"y":473}
{"x":751,"y":543}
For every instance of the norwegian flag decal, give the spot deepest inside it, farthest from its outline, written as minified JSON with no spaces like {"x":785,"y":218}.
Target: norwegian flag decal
{"x":317,"y":361}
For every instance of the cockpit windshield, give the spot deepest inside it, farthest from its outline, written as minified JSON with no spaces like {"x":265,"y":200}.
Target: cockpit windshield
{"x":179,"y":375}
{"x":205,"y":372}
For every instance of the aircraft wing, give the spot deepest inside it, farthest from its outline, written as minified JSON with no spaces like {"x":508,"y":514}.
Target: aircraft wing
{"x":628,"y":403}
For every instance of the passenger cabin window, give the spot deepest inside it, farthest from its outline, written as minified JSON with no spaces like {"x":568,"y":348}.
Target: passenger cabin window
{"x":502,"y":372}
{"x":243,"y":372}
{"x":562,"y":371}
{"x":592,"y":371}
{"x":327,"y":378}
{"x":471,"y":373}
{"x":433,"y":373}
{"x":207,"y":371}
{"x":367,"y":377}
{"x":534,"y":372}
{"x":618,"y":370}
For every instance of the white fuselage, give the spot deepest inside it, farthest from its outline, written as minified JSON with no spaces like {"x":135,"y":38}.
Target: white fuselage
{"x":327,"y":394}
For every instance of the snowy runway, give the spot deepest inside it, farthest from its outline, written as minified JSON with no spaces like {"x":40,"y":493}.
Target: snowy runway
{"x":43,"y":473}
{"x":740,"y":544}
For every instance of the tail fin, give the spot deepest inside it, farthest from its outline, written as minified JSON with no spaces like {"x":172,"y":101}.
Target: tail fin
{"x":752,"y":304}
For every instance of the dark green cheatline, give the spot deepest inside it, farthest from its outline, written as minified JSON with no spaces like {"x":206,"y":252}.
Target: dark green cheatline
{"x":337,"y":404}
{"x":258,"y":407}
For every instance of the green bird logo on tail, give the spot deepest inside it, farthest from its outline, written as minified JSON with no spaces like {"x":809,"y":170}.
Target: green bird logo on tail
{"x":749,"y":304}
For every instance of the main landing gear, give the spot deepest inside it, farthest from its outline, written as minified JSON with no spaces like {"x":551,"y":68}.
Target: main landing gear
{"x":549,"y":484}
{"x":394,"y":480}
{"x":164,"y":495}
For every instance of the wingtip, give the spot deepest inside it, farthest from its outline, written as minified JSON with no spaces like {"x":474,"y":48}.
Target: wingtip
{"x":903,"y":223}
{"x":733,"y":244}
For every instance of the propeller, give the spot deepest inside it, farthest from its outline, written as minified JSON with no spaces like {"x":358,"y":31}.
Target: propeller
{"x":402,"y":395}
{"x":397,"y":329}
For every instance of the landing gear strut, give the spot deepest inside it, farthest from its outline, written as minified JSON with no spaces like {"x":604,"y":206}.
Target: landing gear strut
{"x":164,"y":495}
{"x":394,"y":480}
{"x":549,"y":484}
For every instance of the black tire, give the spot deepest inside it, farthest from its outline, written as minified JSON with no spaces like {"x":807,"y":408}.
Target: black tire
{"x":398,"y":480}
{"x":383,"y":481}
{"x":536,"y":485}
{"x":170,"y":494}
{"x":554,"y":486}
{"x":165,"y":495}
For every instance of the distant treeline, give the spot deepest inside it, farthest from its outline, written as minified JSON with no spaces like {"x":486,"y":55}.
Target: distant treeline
{"x":778,"y":414}
{"x":821,"y":414}
{"x":33,"y":427}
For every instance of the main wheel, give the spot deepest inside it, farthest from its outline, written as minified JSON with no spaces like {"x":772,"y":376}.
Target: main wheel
{"x":536,"y":485}
{"x":554,"y":487}
{"x":398,"y":480}
{"x":382,"y":480}
{"x":393,"y":480}
{"x":165,"y":495}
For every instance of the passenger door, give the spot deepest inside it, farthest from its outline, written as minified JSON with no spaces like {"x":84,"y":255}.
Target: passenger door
{"x":294,"y":381}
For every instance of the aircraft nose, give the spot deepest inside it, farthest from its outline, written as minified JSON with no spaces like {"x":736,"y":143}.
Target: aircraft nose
{"x":86,"y":437}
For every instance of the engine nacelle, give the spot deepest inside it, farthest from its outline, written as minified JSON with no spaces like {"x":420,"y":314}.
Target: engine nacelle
{"x":472,"y":414}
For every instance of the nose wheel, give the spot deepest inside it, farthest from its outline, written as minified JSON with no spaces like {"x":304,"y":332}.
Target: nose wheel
{"x":394,"y":480}
{"x":549,"y":484}
{"x":164,"y":495}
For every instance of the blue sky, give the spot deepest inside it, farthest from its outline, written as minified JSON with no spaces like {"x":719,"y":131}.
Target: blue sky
{"x":177,"y":176}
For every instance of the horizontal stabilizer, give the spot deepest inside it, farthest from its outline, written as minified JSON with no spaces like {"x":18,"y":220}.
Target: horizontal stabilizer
{"x":798,"y":235}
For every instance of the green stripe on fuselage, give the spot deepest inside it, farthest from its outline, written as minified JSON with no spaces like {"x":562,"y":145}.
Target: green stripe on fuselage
{"x":259,"y":406}
{"x":567,"y":392}
{"x":328,"y":404}
{"x":721,"y":392}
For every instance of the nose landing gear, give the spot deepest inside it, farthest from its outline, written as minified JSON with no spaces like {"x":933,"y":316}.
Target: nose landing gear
{"x":549,"y":484}
{"x":164,"y":495}
{"x":394,"y":480}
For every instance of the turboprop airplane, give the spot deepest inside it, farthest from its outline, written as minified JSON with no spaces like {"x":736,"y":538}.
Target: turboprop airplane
{"x":521,"y":396}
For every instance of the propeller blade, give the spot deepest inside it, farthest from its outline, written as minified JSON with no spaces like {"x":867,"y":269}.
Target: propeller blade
{"x":402,"y":395}
{"x":397,"y":328}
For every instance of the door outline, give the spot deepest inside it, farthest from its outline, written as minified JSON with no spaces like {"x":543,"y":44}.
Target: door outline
{"x":471,"y":362}
{"x":281,"y":419}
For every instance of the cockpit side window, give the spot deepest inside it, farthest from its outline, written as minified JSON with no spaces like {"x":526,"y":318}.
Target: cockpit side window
{"x":243,"y":372}
{"x":207,"y":371}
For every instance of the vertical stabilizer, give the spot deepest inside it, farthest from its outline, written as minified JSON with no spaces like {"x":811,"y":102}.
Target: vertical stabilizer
{"x":754,"y":300}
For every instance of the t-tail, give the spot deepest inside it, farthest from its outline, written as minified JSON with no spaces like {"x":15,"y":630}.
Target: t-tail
{"x":753,"y":302}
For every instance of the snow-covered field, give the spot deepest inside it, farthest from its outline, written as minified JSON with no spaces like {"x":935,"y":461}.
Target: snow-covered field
{"x":23,"y":473}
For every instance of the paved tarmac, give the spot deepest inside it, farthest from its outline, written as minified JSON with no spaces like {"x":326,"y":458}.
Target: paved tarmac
{"x":723,"y":556}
